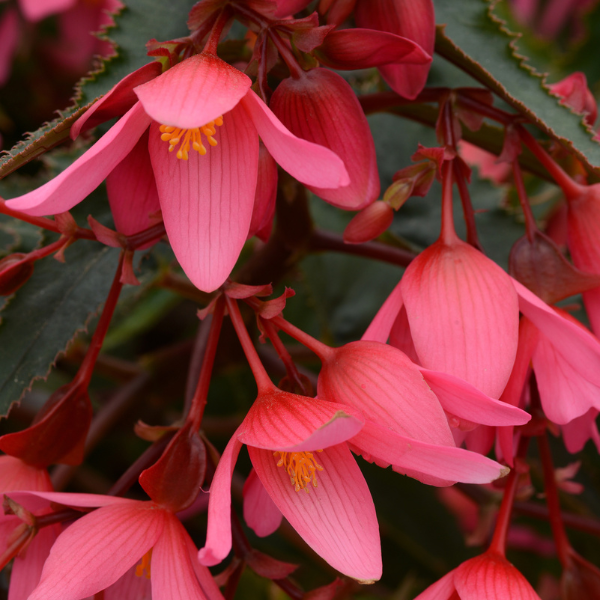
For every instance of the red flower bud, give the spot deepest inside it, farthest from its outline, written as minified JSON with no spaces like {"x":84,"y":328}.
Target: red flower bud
{"x":369,"y":223}
{"x":15,"y":270}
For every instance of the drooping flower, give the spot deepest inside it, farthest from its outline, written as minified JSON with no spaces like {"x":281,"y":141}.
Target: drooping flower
{"x":206,"y":196}
{"x":101,"y":547}
{"x":486,"y":577}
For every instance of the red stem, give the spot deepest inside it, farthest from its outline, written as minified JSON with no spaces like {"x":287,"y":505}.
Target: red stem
{"x":570,"y":187}
{"x":558,"y":529}
{"x":467,"y":206}
{"x":448,"y":234}
{"x":530,"y":225}
{"x":46,"y":250}
{"x":321,"y":350}
{"x":263,"y":381}
{"x":199,"y":400}
{"x":84,"y":375}
{"x":486,"y":110}
{"x":215,"y":34}
{"x":147,"y":235}
{"x":288,"y":56}
{"x":498,"y":543}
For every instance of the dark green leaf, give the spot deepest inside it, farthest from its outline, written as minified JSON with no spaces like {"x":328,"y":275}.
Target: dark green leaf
{"x":45,"y":315}
{"x":471,"y":36}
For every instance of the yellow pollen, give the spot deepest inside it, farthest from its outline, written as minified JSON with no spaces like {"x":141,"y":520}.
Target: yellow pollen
{"x":190,"y":137}
{"x":301,"y":467}
{"x":144,"y":567}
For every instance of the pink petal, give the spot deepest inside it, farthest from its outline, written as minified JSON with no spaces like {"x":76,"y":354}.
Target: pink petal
{"x":492,"y":577}
{"x":322,"y":108}
{"x":173,"y":576}
{"x":401,"y":338}
{"x":194,"y":92}
{"x":382,"y":445}
{"x":265,"y":198}
{"x":578,"y":431}
{"x":203,"y":575}
{"x":440,"y":590}
{"x":481,"y":439}
{"x":364,"y":48}
{"x":383,"y":383}
{"x":564,"y":393}
{"x":576,"y":344}
{"x":129,"y":587}
{"x":413,"y":19}
{"x":463,"y":315}
{"x":68,"y":499}
{"x":308,"y":163}
{"x":17,"y":475}
{"x":207,"y":200}
{"x":337,"y":518}
{"x":576,"y":94}
{"x":35,"y":10}
{"x":132,"y":191}
{"x":9,"y":36}
{"x":466,"y":402}
{"x":82,"y":177}
{"x":98,"y":549}
{"x":27,"y":568}
{"x":286,"y":8}
{"x":218,"y":534}
{"x":381,"y":325}
{"x":260,"y":512}
{"x":283,"y":421}
{"x":117,"y":101}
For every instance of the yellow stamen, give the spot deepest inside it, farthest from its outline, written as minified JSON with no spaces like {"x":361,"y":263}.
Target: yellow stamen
{"x":144,"y":567}
{"x":190,"y":139}
{"x":302,"y":468}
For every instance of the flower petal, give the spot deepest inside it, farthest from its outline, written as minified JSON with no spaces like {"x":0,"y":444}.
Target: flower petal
{"x":365,"y":48}
{"x":173,"y":576}
{"x":207,"y":200}
{"x":218,"y":534}
{"x":463,"y":315}
{"x":286,"y":8}
{"x":132,"y":191}
{"x":17,"y":475}
{"x":401,"y":338}
{"x":382,"y":445}
{"x":322,"y":108}
{"x":440,"y":590}
{"x":283,"y":421}
{"x":381,"y":325}
{"x":309,"y":163}
{"x":578,"y":431}
{"x":117,"y":101}
{"x":82,"y":177}
{"x":98,"y":549}
{"x":381,"y":381}
{"x":260,"y":512}
{"x":265,"y":198}
{"x":35,"y":10}
{"x":575,"y":343}
{"x":466,"y":402}
{"x":129,"y":587}
{"x":336,"y":519}
{"x":413,"y":19}
{"x":194,"y":92}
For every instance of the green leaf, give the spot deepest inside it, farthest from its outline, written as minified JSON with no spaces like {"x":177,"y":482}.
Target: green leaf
{"x":47,"y":312}
{"x":471,"y":36}
{"x":138,"y":22}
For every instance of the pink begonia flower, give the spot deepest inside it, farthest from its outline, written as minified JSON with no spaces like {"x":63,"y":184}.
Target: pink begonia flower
{"x":206,"y":201}
{"x":486,"y":577}
{"x":296,"y":445}
{"x":98,"y":549}
{"x":463,"y":314}
{"x":27,"y":566}
{"x":486,"y":163}
{"x":580,"y":430}
{"x":412,"y":19}
{"x":9,"y":41}
{"x":35,"y":10}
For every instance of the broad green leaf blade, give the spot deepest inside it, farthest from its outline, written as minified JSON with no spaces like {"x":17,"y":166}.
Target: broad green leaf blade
{"x":47,"y":312}
{"x":137,"y":23}
{"x":471,"y":36}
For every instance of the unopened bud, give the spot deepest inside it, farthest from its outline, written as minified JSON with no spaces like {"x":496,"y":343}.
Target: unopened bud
{"x":369,"y":223}
{"x":15,"y":270}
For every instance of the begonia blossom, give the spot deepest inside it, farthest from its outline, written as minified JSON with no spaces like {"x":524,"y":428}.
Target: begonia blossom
{"x":206,"y":196}
{"x":486,"y":577}
{"x":98,"y":549}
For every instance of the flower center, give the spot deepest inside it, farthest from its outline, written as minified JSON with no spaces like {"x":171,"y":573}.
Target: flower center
{"x":301,"y":467}
{"x":144,"y":567}
{"x":184,"y":138}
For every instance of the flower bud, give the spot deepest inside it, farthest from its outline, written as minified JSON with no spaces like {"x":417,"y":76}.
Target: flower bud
{"x":369,"y":223}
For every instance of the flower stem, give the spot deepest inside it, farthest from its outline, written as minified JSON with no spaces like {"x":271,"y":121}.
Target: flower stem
{"x":263,"y":380}
{"x":530,"y":225}
{"x":448,"y":234}
{"x":199,"y":400}
{"x":467,"y":205}
{"x":215,"y":35}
